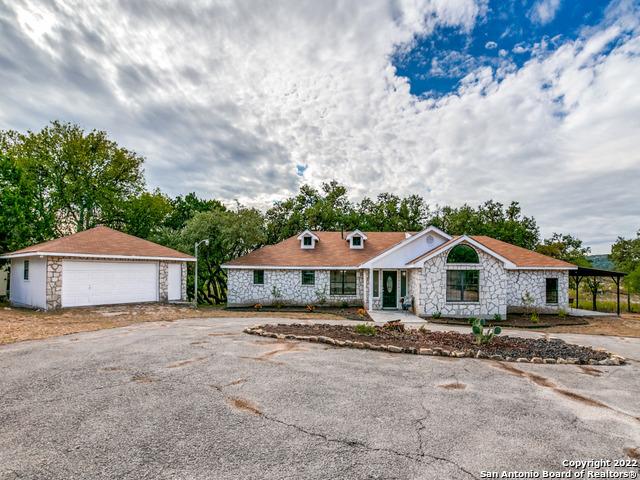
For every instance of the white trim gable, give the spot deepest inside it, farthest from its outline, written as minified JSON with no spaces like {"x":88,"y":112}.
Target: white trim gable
{"x":508,"y":264}
{"x":308,"y":234}
{"x":375,"y":262}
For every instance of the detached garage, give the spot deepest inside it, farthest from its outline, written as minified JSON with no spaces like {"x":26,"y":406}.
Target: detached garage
{"x":100,"y":266}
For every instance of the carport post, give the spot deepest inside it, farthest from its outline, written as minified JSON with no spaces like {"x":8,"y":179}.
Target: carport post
{"x":195,"y":293}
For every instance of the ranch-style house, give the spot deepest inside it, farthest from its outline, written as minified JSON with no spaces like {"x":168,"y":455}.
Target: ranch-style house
{"x":430,"y":272}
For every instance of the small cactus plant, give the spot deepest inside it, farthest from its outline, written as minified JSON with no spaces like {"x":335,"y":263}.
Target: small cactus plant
{"x":483,"y":336}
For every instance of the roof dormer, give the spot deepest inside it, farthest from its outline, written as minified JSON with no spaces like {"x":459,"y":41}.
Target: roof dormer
{"x":356,"y":239}
{"x":308,"y":240}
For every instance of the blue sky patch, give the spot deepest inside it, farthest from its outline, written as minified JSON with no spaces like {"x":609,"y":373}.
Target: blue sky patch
{"x":510,"y":34}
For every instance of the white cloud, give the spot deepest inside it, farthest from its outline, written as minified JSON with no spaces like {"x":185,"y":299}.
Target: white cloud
{"x":229,"y":98}
{"x":543,"y":11}
{"x":491,"y":45}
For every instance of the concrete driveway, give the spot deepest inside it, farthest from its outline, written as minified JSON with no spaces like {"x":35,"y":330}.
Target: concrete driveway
{"x":198,"y":399}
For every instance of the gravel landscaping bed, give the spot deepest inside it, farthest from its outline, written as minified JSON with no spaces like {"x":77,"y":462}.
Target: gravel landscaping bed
{"x":452,"y":344}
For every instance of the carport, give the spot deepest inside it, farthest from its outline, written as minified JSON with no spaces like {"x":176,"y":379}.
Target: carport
{"x":588,"y":272}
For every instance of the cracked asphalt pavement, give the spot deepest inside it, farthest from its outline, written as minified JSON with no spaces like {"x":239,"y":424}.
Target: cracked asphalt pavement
{"x":199,"y":399}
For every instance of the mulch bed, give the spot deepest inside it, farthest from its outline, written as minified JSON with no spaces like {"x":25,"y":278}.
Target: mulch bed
{"x":348,"y":313}
{"x":518,"y":321}
{"x":453,"y":344}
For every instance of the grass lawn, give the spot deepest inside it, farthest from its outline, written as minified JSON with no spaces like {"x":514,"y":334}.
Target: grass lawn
{"x":19,"y":324}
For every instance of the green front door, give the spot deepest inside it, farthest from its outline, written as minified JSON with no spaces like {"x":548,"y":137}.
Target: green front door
{"x":389,"y":289}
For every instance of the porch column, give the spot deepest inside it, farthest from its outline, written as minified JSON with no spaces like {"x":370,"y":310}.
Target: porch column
{"x":370,"y":292}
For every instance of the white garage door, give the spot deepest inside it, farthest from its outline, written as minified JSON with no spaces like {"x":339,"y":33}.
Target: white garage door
{"x":102,"y":283}
{"x":175,"y":281}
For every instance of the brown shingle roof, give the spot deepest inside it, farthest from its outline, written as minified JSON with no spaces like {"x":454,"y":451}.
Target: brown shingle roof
{"x":104,"y":241}
{"x":331,"y":251}
{"x":521,"y":257}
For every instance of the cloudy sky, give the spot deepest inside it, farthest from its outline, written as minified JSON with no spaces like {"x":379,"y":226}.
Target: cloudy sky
{"x":456,"y":100}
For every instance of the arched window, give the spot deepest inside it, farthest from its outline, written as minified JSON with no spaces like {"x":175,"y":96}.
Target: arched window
{"x":463,"y":254}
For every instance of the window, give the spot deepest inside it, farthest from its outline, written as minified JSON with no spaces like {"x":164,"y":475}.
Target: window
{"x":552,"y":290}
{"x":306,"y":241}
{"x":342,"y":282}
{"x":463,"y":285}
{"x":26,"y":270}
{"x":356,"y":241}
{"x":463,"y":254}
{"x":308,"y":277}
{"x":376,"y":281}
{"x":258,"y":277}
{"x":403,"y":283}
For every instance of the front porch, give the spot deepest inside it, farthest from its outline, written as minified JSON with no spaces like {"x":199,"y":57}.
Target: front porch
{"x":387,"y":289}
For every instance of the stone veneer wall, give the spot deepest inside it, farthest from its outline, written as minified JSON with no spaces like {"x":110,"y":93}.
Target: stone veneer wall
{"x":534,"y":282}
{"x":242,"y":291}
{"x":432,"y":284}
{"x":163,"y":281}
{"x":183,"y":278}
{"x":54,"y":283}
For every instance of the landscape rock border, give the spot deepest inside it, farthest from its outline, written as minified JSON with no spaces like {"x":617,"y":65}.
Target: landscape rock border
{"x":612,"y":360}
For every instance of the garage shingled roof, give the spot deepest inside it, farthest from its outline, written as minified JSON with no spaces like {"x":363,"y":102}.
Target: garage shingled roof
{"x":102,"y":241}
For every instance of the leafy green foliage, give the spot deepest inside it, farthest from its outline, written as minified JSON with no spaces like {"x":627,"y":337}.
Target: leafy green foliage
{"x":565,"y":247}
{"x":365,"y":329}
{"x":625,"y":254}
{"x":497,"y":317}
{"x":492,"y":219}
{"x":79,"y":179}
{"x":482,"y":335}
{"x":436,"y":315}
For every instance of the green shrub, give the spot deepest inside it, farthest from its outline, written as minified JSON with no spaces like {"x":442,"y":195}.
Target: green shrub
{"x":483,"y":336}
{"x":562,"y":312}
{"x":364,"y":329}
{"x":436,"y":314}
{"x":344,"y":304}
{"x":535,"y":318}
{"x":497,"y":317}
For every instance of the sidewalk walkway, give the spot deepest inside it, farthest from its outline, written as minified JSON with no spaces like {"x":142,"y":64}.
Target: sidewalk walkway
{"x":383,"y":316}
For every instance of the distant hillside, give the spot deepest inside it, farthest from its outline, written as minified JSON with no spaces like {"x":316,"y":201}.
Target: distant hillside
{"x":601,"y":261}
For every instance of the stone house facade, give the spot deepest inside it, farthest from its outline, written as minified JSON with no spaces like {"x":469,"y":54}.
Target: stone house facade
{"x":434,"y":272}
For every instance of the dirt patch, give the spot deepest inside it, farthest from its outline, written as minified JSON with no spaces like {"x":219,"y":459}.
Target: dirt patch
{"x":142,"y":378}
{"x":182,"y":363}
{"x":411,"y":340}
{"x":581,"y":398}
{"x":281,"y":347}
{"x":19,"y":324}
{"x":244,"y":405}
{"x":202,"y":342}
{"x":112,"y":369}
{"x":235,"y":382}
{"x":535,"y":378}
{"x":632,"y":452}
{"x":594,"y":372}
{"x":453,"y":386}
{"x":626,"y":325}
{"x":222,"y":334}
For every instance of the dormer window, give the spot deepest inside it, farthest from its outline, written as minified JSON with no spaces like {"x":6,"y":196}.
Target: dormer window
{"x":308,"y":240}
{"x":356,"y":239}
